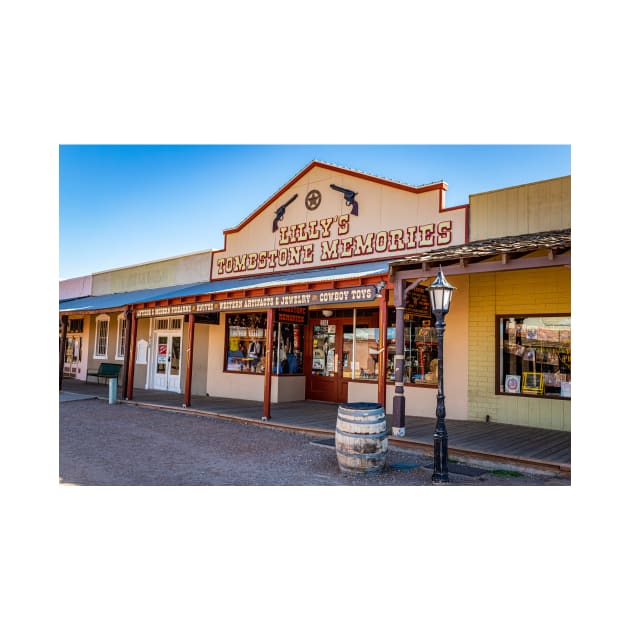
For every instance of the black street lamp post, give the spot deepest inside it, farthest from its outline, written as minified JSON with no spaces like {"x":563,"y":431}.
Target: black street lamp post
{"x":441,"y":292}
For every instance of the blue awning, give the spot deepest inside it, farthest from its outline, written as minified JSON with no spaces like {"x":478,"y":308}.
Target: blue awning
{"x":116,"y":301}
{"x":113,"y":301}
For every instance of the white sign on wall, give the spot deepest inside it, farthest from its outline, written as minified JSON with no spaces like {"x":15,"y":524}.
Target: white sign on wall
{"x":141,"y":351}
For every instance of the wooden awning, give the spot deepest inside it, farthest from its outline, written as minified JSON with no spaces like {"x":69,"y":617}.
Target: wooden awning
{"x":551,"y":245}
{"x":507,"y":253}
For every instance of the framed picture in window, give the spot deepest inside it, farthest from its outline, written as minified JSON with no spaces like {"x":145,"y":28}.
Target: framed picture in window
{"x":533,"y":382}
{"x":512,"y":383}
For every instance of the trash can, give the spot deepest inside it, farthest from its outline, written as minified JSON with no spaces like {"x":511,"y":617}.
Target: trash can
{"x":361,"y":438}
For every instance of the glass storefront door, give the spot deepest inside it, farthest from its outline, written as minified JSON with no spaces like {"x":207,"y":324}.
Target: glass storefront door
{"x":338,"y":354}
{"x":167,"y":361}
{"x":326,"y":369}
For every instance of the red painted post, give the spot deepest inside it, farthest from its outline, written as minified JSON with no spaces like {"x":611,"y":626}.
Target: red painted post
{"x":125,"y":370}
{"x":132,"y":356}
{"x":268,"y":367}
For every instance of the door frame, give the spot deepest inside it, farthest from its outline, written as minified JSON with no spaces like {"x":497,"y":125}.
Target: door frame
{"x":173,"y":383}
{"x":338,"y":389}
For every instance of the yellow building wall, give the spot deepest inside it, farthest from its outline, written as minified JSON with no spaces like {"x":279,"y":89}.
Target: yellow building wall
{"x":539,"y":291}
{"x":537,"y":207}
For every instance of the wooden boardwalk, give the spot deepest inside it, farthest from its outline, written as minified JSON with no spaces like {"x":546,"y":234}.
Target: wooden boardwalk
{"x":503,"y":443}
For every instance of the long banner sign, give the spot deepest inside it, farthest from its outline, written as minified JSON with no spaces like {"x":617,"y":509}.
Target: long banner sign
{"x":308,"y":298}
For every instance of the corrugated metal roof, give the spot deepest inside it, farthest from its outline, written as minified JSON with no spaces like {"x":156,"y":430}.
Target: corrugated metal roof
{"x":118,"y":300}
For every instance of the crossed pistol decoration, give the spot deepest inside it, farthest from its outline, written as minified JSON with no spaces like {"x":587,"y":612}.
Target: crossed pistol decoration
{"x":348,"y":195}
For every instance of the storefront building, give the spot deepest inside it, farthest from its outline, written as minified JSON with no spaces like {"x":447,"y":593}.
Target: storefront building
{"x":308,"y":297}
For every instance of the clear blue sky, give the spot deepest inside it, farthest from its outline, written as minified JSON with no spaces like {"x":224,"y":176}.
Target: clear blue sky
{"x":128,"y":204}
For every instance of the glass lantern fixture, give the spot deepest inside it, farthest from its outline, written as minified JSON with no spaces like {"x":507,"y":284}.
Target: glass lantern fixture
{"x":441,"y":292}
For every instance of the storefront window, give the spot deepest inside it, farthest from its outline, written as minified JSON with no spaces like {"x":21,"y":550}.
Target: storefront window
{"x":74,"y":347}
{"x":356,"y":357}
{"x":420,"y":349}
{"x":365,"y":352}
{"x":359,"y":354}
{"x":421,"y":356}
{"x":288,"y":344}
{"x":247,"y":343}
{"x":535,"y":355}
{"x":391,"y":344}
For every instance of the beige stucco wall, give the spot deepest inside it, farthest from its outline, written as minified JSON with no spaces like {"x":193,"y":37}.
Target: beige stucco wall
{"x":251,"y":387}
{"x":362,"y":392}
{"x":162,"y":273}
{"x":456,"y":343}
{"x":141,"y":369}
{"x":537,"y":291}
{"x":112,"y":337}
{"x":419,"y":401}
{"x":200,"y":358}
{"x":536,"y":207}
{"x":288,"y":388}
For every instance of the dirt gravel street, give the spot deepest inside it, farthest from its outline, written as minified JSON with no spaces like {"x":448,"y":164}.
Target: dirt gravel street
{"x":126,"y":445}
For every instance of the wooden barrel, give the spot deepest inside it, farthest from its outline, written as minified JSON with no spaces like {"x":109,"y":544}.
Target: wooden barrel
{"x":361,"y":437}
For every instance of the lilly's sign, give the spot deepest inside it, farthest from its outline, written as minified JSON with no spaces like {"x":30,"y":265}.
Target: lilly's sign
{"x":327,"y":241}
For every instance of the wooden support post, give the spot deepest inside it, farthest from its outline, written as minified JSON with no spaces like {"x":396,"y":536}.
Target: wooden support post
{"x":62,"y":347}
{"x":132,"y":357}
{"x":268,"y":367}
{"x":189,"y":359}
{"x":382,"y":357}
{"x":125,"y":369}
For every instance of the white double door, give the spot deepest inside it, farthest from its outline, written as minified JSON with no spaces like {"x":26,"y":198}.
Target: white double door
{"x":167,"y":361}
